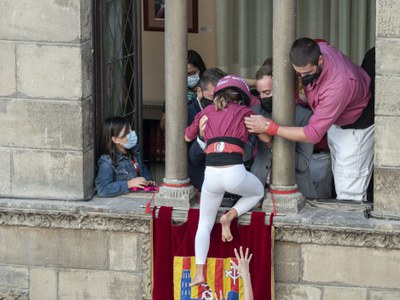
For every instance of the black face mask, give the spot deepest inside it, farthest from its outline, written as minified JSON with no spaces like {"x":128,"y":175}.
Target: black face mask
{"x":205,"y":102}
{"x":266,"y":104}
{"x":311,"y":78}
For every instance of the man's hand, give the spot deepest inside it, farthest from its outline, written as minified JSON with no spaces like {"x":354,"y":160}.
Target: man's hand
{"x":264,"y":137}
{"x":259,"y":124}
{"x":202,"y":125}
{"x":255,"y":123}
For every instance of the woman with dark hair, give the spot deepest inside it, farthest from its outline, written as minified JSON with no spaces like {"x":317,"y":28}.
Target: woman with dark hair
{"x":195,"y":69}
{"x":120,"y":167}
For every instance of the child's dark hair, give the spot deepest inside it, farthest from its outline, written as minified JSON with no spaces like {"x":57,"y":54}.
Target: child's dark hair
{"x":112,"y":126}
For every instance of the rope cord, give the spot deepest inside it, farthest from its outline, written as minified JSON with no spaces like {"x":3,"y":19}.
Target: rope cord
{"x":279,"y":192}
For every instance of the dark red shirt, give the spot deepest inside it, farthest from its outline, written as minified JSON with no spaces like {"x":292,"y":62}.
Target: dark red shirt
{"x":228,"y":122}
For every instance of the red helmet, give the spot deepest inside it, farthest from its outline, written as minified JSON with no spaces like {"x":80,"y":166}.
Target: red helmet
{"x":236,"y":83}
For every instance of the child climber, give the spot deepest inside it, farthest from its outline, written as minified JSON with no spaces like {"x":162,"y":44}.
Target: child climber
{"x":225,"y":135}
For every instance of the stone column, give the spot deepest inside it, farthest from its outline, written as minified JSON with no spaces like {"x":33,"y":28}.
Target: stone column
{"x":286,"y":198}
{"x":387,"y":111}
{"x":176,"y":190}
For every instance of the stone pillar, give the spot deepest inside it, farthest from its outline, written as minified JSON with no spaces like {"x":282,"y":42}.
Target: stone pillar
{"x":387,"y":111}
{"x":46,"y":105}
{"x":287,"y":199}
{"x":177,"y":190}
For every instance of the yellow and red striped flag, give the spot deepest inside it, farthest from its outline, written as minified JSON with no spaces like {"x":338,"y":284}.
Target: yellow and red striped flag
{"x":220,"y":275}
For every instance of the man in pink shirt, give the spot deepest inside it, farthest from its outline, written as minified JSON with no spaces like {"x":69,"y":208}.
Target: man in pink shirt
{"x":337,"y":90}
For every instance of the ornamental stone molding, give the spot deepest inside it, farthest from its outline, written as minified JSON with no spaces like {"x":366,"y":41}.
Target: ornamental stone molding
{"x":311,"y":226}
{"x":14,"y":294}
{"x":67,"y":220}
{"x":320,"y":235}
{"x":146,"y":266}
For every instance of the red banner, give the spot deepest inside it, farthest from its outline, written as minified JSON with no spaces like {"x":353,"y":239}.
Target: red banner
{"x":173,"y":257}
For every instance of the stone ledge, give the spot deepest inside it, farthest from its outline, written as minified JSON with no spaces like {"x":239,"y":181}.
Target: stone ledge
{"x":114,"y":214}
{"x":343,"y":225}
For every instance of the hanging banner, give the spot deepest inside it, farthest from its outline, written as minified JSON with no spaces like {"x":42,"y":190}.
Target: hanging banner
{"x":174,"y":263}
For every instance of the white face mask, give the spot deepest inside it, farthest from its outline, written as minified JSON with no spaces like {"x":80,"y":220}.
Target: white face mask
{"x":193,"y":80}
{"x":132,"y":140}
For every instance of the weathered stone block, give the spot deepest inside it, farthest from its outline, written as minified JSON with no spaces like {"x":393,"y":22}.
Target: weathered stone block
{"x":287,"y":262}
{"x":8,"y":79}
{"x":88,"y":173}
{"x":43,"y":284}
{"x":41,"y":20}
{"x":387,"y":146}
{"x":87,"y":123}
{"x":5,"y":172}
{"x":387,"y":190}
{"x":50,"y":71}
{"x":14,"y":293}
{"x":387,"y":95}
{"x":82,"y":284}
{"x":388,"y":60}
{"x":387,"y":18}
{"x":344,"y":293}
{"x":52,"y":175}
{"x":297,"y":292}
{"x":360,"y":267}
{"x":385,"y":295}
{"x":53,"y":247}
{"x":87,"y":69}
{"x":124,"y":252}
{"x":13,"y":276}
{"x":46,"y":124}
{"x":86,"y":19}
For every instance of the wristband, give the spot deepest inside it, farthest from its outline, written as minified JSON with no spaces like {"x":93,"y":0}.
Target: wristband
{"x":271,"y":128}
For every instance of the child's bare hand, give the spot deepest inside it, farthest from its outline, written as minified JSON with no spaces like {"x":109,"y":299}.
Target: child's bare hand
{"x":264,"y":137}
{"x":202,"y":125}
{"x":137,"y":182}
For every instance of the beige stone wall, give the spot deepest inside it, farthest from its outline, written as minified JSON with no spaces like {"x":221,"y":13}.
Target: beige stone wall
{"x":46,"y":107}
{"x":44,"y":263}
{"x":387,"y":108}
{"x":109,"y":258}
{"x":329,"y":272}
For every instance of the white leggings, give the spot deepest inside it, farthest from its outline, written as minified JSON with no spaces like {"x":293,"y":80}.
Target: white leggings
{"x":218,"y":180}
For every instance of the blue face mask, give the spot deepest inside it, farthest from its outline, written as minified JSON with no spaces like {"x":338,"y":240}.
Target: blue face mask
{"x":193,"y":80}
{"x":132,"y":140}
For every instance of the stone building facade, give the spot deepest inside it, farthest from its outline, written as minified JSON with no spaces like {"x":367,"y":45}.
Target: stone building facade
{"x":55,"y":246}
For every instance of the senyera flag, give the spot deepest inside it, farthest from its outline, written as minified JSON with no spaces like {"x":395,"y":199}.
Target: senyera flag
{"x":220,"y":276}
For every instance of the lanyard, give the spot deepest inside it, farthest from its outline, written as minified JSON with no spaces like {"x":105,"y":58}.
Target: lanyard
{"x":136,"y":166}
